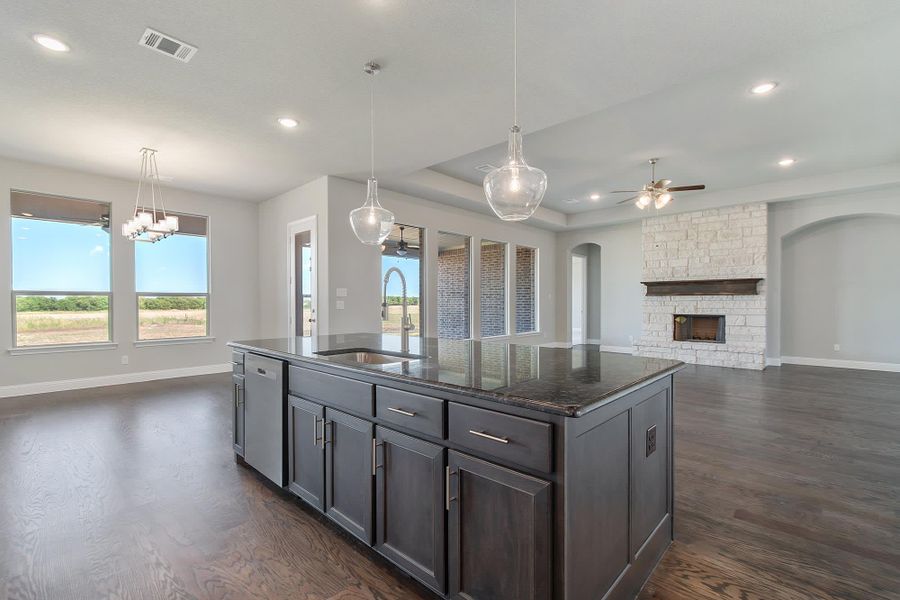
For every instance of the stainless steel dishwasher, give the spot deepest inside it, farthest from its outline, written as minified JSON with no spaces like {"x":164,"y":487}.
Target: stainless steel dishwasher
{"x":264,"y":417}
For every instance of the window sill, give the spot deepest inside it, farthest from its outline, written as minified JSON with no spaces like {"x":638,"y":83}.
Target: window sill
{"x":63,"y":348}
{"x":528,"y":334}
{"x":174,"y":341}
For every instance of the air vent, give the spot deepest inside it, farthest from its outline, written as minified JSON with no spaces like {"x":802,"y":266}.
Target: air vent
{"x":485,"y":168}
{"x":167,"y":45}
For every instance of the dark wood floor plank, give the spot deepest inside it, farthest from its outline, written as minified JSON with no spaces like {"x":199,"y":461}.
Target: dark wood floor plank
{"x":787,"y":488}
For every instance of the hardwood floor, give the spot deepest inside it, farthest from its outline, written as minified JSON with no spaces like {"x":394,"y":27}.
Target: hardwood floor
{"x":788,"y":486}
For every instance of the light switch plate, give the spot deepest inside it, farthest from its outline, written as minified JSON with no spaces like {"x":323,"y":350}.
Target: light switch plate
{"x":339,"y":305}
{"x":341,"y":293}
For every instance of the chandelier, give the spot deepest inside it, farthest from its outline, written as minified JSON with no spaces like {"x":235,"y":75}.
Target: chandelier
{"x":149,"y":223}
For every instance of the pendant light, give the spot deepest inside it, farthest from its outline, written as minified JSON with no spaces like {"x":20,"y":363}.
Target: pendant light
{"x":515,"y":190}
{"x":149,"y":223}
{"x":371,"y":222}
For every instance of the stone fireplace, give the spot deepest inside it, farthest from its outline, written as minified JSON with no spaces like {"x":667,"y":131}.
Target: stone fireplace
{"x":705,"y":299}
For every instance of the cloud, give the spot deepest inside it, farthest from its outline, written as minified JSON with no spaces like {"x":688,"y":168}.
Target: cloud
{"x":96,"y":250}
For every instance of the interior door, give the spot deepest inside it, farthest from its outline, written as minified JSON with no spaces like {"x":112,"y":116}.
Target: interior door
{"x":349,"y":468}
{"x":303,"y":316}
{"x":498,"y":532}
{"x":579,"y":298}
{"x":409,"y":505}
{"x":306,"y":451}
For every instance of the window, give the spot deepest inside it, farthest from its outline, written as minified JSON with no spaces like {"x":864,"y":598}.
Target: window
{"x":526,"y":289}
{"x":493,"y":288}
{"x":60,"y":270}
{"x":454,"y":294}
{"x":171,"y":280}
{"x":408,"y":260}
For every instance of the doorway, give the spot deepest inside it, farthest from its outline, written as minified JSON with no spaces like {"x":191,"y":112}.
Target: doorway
{"x":579,"y":299}
{"x":302,"y":269}
{"x":586,"y":294}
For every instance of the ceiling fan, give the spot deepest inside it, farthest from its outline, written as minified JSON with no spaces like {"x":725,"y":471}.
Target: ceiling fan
{"x":658,"y":192}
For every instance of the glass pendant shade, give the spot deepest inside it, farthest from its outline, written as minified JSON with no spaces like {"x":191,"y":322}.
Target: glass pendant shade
{"x":371,"y":222}
{"x":515,"y":190}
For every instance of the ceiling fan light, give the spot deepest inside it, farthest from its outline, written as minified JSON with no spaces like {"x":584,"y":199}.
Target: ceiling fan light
{"x":643,"y":201}
{"x":662,"y":200}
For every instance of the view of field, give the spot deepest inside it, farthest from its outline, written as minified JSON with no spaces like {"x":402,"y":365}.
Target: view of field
{"x":395,"y":313}
{"x":49,"y":320}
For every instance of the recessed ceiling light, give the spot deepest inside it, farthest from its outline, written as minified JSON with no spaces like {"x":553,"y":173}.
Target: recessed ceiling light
{"x":287,"y":122}
{"x":572,"y":201}
{"x":50,"y":43}
{"x":27,"y":215}
{"x":787,"y":162}
{"x":763,"y":88}
{"x":595,"y":196}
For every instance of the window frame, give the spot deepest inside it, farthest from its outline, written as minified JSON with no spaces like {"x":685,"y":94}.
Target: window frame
{"x":536,"y":287}
{"x":138,"y":340}
{"x":470,"y":299}
{"x":14,"y":293}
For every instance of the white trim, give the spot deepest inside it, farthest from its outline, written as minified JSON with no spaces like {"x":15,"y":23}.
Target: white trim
{"x":841,"y":364}
{"x":63,"y":348}
{"x":556,"y":345}
{"x":773,"y":362}
{"x":617,"y":349}
{"x":8,"y":391}
{"x":595,"y":341}
{"x":174,"y":341}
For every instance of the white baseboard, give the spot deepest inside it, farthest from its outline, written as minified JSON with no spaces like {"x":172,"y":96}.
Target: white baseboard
{"x":840,"y":364}
{"x":618,"y":349}
{"x":62,"y":385}
{"x":773,"y":362}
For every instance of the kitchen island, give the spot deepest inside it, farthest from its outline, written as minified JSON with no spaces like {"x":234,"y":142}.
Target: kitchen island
{"x":483,"y":469}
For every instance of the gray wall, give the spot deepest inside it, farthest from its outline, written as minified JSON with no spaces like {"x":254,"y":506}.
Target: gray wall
{"x":841,"y":285}
{"x":233,"y":280}
{"x":594,"y":307}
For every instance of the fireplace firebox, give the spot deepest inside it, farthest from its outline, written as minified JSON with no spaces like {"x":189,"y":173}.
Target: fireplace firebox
{"x":699,"y":328}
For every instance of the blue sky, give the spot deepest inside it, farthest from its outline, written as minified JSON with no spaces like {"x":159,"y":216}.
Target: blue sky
{"x":410,"y":269}
{"x":51,"y":256}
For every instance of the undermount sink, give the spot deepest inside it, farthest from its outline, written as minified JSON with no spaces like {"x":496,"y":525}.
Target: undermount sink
{"x":370,"y":357}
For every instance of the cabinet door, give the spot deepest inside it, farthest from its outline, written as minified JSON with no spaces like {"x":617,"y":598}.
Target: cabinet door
{"x":348,"y":473}
{"x":499,"y":532}
{"x":237,"y":426}
{"x":409,"y":505}
{"x":650,"y":485}
{"x":306,"y":451}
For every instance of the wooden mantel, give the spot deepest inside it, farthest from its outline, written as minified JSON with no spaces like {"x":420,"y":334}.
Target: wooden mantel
{"x":703,"y":287}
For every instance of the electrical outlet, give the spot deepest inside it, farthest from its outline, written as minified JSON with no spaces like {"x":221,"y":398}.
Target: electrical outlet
{"x":339,"y":305}
{"x":124,"y":359}
{"x":837,"y":347}
{"x":651,"y":440}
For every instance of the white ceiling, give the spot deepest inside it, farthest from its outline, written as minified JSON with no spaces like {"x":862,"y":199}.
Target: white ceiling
{"x":662,"y":77}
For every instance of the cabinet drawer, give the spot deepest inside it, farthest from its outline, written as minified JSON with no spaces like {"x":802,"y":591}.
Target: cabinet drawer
{"x":412,"y":411}
{"x":331,"y":389}
{"x":514,"y":439}
{"x":237,"y":363}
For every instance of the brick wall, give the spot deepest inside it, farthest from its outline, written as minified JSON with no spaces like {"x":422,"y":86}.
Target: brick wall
{"x":525,"y":291}
{"x":711,"y":244}
{"x":453,"y":293}
{"x":493,"y":289}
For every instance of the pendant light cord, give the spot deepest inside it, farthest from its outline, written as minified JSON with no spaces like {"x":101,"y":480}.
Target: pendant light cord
{"x":372,"y":119}
{"x":515,"y":62}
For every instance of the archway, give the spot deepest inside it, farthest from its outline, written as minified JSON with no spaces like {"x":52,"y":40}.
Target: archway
{"x":584,"y":294}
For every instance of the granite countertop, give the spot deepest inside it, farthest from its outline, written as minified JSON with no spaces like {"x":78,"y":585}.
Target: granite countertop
{"x":563,"y":381}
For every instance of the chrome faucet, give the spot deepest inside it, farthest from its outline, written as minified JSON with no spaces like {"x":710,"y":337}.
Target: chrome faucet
{"x":406,"y":324}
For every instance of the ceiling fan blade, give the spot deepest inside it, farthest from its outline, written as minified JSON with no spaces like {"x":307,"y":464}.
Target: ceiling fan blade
{"x":686,"y":188}
{"x":662,"y":183}
{"x":624,"y":191}
{"x":626,"y":200}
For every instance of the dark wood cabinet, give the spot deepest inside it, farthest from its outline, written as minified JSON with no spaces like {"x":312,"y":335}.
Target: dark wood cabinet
{"x":499,"y":532}
{"x":306,"y":450}
{"x":651,"y":486}
{"x":237,"y":429}
{"x":410,"y":515}
{"x":349,"y":467}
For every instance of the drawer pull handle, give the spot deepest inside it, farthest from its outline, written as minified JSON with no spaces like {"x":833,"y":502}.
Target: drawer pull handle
{"x":488,"y":436}
{"x":400,"y":411}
